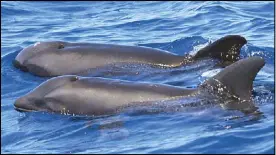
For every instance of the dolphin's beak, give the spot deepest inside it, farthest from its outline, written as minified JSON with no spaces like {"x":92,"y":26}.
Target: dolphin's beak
{"x":22,"y":105}
{"x":18,"y":65}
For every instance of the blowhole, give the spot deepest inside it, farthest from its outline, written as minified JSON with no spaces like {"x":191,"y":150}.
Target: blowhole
{"x":75,"y":78}
{"x":60,"y":46}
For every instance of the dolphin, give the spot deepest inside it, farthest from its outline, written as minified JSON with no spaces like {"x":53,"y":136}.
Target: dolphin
{"x":55,"y":58}
{"x":95,"y":96}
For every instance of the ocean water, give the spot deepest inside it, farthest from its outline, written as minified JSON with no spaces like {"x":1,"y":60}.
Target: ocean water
{"x":179,"y":27}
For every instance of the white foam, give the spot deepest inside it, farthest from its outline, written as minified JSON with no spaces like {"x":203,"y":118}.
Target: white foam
{"x":37,"y":43}
{"x":211,"y":73}
{"x":197,"y":48}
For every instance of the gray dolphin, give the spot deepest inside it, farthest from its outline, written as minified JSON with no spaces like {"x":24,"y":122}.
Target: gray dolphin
{"x":63,"y":58}
{"x":100,"y":96}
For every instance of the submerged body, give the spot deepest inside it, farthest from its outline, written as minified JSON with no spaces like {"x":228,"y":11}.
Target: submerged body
{"x":63,"y":58}
{"x":99,"y":96}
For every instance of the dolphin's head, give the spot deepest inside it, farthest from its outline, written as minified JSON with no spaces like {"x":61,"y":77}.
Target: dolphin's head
{"x":29,"y":59}
{"x":38,"y":100}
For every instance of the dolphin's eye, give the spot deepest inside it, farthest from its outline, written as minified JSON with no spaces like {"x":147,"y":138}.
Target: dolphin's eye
{"x":75,"y":78}
{"x":39,"y":103}
{"x":60,"y":46}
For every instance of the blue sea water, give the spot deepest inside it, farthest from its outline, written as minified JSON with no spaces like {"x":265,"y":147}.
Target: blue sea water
{"x":179,"y":27}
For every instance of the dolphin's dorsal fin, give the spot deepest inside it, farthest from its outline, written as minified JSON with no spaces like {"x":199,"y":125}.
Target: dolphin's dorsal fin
{"x":236,"y":82}
{"x":226,"y":49}
{"x":238,"y":78}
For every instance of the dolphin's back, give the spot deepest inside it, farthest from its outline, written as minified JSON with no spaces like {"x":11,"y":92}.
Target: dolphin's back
{"x":98,"y":96}
{"x":138,"y":91}
{"x":111,"y":53}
